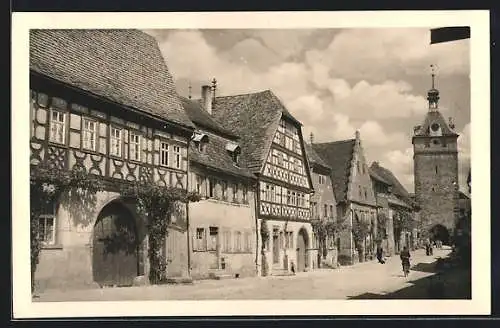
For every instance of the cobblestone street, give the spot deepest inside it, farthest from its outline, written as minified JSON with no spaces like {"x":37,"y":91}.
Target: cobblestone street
{"x":369,"y":278}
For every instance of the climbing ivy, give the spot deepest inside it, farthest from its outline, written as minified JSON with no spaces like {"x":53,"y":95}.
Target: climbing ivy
{"x":47,"y":184}
{"x":360,"y":231}
{"x":157,"y":204}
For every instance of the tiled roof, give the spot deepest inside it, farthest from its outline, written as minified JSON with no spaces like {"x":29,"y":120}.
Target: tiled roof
{"x":434,"y":116}
{"x":338,"y":155}
{"x":254,"y":118}
{"x":124,"y":66}
{"x":386,"y":174}
{"x":201,"y":117}
{"x":314,"y":158}
{"x":377,"y":177}
{"x":218,"y":158}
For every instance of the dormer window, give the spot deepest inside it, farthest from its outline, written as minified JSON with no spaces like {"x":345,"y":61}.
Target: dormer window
{"x":235,"y":152}
{"x":201,"y":141}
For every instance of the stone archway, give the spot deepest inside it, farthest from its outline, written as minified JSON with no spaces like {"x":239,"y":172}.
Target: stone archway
{"x":115,"y":259}
{"x":440,"y":232}
{"x":302,"y":245}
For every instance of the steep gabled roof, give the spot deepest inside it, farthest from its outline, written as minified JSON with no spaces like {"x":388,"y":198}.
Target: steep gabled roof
{"x":202,"y":118}
{"x":398,"y":189}
{"x":124,"y":66}
{"x":314,"y":158}
{"x":431,"y":117}
{"x":254,"y":118}
{"x":338,"y":155}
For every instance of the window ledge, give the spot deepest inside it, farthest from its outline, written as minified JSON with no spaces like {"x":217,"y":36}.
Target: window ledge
{"x":220,"y":201}
{"x":54,"y":246}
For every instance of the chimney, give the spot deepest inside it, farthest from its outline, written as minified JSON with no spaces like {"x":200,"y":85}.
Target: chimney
{"x":206,"y":98}
{"x":311,"y":138}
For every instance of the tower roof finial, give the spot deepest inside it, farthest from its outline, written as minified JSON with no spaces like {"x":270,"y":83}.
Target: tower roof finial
{"x":433,"y":94}
{"x":189,"y":90}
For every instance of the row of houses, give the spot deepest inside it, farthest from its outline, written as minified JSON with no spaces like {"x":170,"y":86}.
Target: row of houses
{"x":104,"y":101}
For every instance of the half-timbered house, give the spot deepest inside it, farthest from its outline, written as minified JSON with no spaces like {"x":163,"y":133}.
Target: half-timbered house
{"x":103,"y":101}
{"x":353,"y":192}
{"x":323,"y":208}
{"x":223,"y":223}
{"x":273,"y":147}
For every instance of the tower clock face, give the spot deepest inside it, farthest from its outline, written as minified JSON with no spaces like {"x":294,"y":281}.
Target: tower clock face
{"x":434,"y":127}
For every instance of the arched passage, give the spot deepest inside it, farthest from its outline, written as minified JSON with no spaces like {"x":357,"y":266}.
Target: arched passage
{"x":115,"y":246}
{"x":440,"y":232}
{"x":302,"y":245}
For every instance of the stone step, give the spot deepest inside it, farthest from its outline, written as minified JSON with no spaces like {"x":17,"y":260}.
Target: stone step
{"x":220,"y":275}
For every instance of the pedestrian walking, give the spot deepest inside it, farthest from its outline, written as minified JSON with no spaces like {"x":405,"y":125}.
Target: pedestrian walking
{"x":405,"y":260}
{"x":380,"y":255}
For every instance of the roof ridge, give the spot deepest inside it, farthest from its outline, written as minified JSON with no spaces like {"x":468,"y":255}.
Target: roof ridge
{"x":244,"y":94}
{"x":334,"y":142}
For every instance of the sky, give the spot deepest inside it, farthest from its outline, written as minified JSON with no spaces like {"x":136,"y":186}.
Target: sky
{"x":335,"y":81}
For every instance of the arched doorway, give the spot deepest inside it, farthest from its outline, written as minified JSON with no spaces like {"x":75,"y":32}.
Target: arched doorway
{"x":115,"y":247}
{"x":302,"y":243}
{"x":440,"y":232}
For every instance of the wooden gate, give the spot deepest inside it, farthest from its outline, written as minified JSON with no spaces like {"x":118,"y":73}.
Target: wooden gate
{"x":115,"y":247}
{"x":301,"y":251}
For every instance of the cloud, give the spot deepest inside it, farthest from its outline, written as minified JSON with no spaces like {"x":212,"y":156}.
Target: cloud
{"x":381,"y":54}
{"x":333,"y":81}
{"x":401,"y":165}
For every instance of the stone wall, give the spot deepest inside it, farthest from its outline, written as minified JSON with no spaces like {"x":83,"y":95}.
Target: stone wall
{"x":435,"y":175}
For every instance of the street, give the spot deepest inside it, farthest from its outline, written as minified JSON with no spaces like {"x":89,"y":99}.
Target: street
{"x":350,"y":282}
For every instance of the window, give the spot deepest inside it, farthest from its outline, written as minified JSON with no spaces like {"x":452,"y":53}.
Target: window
{"x":177,"y":154}
{"x":199,"y":184}
{"x":46,"y":224}
{"x":288,"y":239}
{"x":202,"y":146}
{"x":226,"y":235}
{"x":58,"y":127}
{"x":164,"y":153}
{"x":223,"y":185}
{"x":366,"y":194}
{"x":436,"y":168}
{"x":135,"y":146}
{"x":331,"y":211}
{"x":89,"y":134}
{"x":245,"y":195}
{"x":236,"y":157}
{"x":325,"y":211}
{"x":237,"y":242}
{"x":360,"y":195}
{"x":235,"y":192}
{"x":289,"y":197}
{"x":357,"y":165}
{"x":201,"y":243}
{"x":248,"y":242}
{"x":116,"y":142}
{"x":214,"y":238}
{"x":211,"y":188}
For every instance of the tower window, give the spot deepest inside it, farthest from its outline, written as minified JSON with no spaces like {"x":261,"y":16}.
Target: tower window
{"x":435,"y":127}
{"x":436,"y":168}
{"x":435,"y":141}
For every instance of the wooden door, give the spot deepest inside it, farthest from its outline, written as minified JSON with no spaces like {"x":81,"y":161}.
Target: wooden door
{"x":114,"y":254}
{"x":301,"y":252}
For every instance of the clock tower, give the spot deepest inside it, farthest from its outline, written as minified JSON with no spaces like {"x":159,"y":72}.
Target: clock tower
{"x":435,"y":159}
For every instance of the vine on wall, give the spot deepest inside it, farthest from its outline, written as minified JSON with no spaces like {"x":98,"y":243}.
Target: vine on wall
{"x":47,"y":184}
{"x":157,"y":204}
